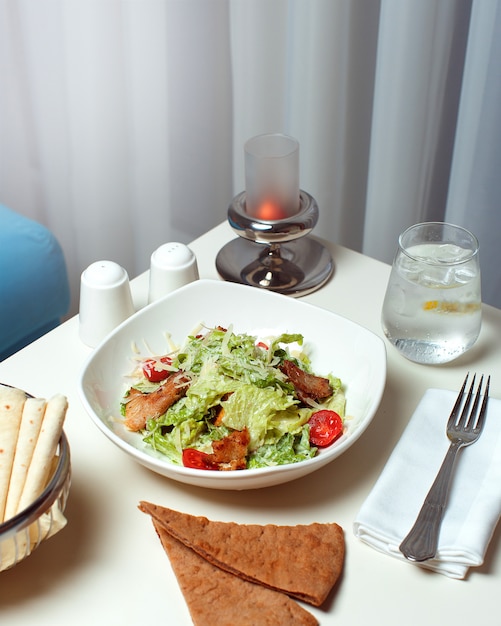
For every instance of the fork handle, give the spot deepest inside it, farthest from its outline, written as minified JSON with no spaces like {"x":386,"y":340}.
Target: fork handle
{"x":422,"y":540}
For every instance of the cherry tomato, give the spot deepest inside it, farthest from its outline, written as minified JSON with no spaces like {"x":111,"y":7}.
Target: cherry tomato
{"x":325,"y":427}
{"x":153,"y":374}
{"x":197,"y":460}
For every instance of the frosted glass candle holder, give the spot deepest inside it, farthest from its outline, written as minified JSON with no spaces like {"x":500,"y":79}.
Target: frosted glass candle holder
{"x":272,"y":177}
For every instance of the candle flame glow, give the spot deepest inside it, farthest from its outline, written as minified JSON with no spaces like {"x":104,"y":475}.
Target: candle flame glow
{"x":269,"y":210}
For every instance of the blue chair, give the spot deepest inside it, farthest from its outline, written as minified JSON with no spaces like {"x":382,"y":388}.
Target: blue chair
{"x":34,"y":287}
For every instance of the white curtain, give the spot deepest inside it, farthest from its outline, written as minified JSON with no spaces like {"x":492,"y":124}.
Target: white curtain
{"x":122,"y":122}
{"x":475,"y":187}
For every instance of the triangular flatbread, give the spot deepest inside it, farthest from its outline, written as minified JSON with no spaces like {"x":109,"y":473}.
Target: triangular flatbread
{"x":215,"y":597}
{"x":303,"y":561}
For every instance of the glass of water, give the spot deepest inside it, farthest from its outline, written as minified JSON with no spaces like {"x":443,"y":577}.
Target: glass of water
{"x":432,"y":308}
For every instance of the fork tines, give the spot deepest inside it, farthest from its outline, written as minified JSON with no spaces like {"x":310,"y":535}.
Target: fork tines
{"x":476,"y":421}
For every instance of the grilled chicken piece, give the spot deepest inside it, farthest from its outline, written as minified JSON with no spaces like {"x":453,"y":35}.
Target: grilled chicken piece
{"x":230,"y":453}
{"x":141,"y":407}
{"x":306,"y":385}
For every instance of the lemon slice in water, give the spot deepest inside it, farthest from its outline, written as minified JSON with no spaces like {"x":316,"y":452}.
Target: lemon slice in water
{"x":438,"y":306}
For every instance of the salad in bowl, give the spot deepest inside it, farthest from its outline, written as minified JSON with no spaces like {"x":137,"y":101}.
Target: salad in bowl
{"x":233,"y":401}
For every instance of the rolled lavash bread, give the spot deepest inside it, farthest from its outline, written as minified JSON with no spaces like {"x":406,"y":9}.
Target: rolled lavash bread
{"x":45,"y":449}
{"x":29,"y":430}
{"x":11,"y":410}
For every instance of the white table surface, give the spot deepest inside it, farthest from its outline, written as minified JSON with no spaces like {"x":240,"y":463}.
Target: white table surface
{"x":107,"y":566}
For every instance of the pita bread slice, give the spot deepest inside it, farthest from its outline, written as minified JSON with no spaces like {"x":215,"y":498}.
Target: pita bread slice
{"x":303,"y":561}
{"x":215,"y":597}
{"x":11,"y":410}
{"x":31,"y":421}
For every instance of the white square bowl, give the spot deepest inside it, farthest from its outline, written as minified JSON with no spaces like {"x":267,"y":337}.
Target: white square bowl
{"x":335,"y":345}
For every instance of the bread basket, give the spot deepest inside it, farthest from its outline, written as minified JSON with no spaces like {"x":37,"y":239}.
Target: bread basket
{"x":23,"y":533}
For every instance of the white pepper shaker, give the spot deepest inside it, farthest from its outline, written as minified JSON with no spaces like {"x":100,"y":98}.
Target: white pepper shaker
{"x":172,"y":266}
{"x":105,"y":301}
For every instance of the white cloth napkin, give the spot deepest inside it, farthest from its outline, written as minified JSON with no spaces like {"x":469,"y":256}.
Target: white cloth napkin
{"x":474,"y":504}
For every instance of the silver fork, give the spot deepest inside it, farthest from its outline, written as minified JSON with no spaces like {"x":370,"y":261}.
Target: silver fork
{"x":422,"y":541}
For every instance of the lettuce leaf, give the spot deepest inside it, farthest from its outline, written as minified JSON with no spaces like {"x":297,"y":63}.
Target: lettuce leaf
{"x":255,"y":408}
{"x":288,"y":449}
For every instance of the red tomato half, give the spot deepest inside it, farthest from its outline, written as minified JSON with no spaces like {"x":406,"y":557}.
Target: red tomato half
{"x":156,"y":375}
{"x":325,"y":427}
{"x":197,"y":460}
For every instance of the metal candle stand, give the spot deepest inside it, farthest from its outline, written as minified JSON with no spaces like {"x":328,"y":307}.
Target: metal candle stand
{"x":277,"y":255}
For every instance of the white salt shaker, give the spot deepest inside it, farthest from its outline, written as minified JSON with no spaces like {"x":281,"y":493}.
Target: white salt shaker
{"x":172,"y":266}
{"x":105,"y":301}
